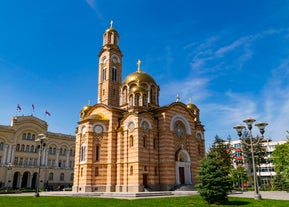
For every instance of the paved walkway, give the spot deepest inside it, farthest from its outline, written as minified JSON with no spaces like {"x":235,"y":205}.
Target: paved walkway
{"x":275,"y":195}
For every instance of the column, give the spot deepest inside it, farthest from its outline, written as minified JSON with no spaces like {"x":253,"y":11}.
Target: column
{"x":177,"y":173}
{"x":20,"y":180}
{"x":30,"y":181}
{"x":57,"y":159}
{"x":46,"y":157}
{"x":5,"y":154}
{"x":188,"y":173}
{"x":9,"y":154}
{"x":13,"y":154}
{"x":67,"y":160}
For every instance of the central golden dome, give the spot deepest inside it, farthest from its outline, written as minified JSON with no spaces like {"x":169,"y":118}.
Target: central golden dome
{"x":139,"y":77}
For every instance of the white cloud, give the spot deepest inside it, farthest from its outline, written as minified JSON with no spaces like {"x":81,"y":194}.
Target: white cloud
{"x":92,"y":4}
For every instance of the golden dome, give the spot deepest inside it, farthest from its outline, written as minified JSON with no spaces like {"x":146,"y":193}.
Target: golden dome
{"x":139,"y":76}
{"x":86,"y":108}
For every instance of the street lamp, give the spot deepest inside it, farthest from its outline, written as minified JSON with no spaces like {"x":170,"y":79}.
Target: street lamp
{"x":239,"y":128}
{"x":41,"y":144}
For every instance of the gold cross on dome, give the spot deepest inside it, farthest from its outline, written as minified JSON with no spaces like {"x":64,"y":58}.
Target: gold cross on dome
{"x":138,"y":63}
{"x":111,"y":22}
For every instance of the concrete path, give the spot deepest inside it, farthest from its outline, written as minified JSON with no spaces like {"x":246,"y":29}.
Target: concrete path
{"x":275,"y":195}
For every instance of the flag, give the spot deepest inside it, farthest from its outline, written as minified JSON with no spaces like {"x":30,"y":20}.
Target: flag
{"x":33,"y":107}
{"x":18,"y":108}
{"x":47,"y":113}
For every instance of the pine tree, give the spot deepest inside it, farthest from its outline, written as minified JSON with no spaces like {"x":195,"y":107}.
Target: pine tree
{"x":214,"y":181}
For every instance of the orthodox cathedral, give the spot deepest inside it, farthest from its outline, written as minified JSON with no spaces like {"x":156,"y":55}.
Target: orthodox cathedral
{"x":127,"y":142}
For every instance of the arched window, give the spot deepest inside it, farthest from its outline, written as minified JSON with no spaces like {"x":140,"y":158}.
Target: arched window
{"x":32,"y":148}
{"x":131,"y":141}
{"x":33,"y":137}
{"x":22,"y":147}
{"x":60,"y":151}
{"x":24,"y":136}
{"x":2,"y":145}
{"x":50,"y":177}
{"x":131,"y":170}
{"x":54,"y":151}
{"x":155,"y":143}
{"x":61,"y":176}
{"x":180,"y":129}
{"x":27,"y":148}
{"x":82,"y":153}
{"x":144,"y":141}
{"x":114,"y":74}
{"x":29,"y":136}
{"x":97,"y":149}
{"x":17,"y":147}
{"x":104,"y":74}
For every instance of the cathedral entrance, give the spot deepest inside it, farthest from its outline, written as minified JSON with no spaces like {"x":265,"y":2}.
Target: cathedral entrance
{"x":182,"y":175}
{"x":183,"y":167}
{"x":145,"y":180}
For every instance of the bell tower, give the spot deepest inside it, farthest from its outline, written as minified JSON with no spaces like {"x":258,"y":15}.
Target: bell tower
{"x":109,"y":69}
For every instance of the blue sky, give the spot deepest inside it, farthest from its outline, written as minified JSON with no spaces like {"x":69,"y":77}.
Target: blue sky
{"x":231,"y":58}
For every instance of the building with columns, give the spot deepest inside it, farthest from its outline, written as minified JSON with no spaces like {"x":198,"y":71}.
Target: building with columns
{"x":127,"y":142}
{"x":19,"y":155}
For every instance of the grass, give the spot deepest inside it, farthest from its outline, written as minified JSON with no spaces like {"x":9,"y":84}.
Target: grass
{"x":196,"y":201}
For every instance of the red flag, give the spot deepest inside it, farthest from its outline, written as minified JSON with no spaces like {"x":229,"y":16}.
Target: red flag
{"x":18,"y":108}
{"x":47,"y":113}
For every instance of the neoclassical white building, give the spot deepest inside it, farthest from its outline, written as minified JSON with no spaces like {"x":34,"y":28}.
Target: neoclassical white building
{"x":19,"y":155}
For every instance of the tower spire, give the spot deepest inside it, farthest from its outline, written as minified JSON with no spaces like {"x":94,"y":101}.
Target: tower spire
{"x":111,"y":22}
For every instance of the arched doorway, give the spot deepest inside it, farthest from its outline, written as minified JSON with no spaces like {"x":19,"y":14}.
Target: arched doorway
{"x":25,"y":179}
{"x":33,"y":183}
{"x":15,"y":180}
{"x":183,"y":167}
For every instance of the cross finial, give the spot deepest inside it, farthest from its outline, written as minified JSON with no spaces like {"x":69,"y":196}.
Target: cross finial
{"x":88,"y":103}
{"x":111,"y":22}
{"x":177,"y":98}
{"x":138,"y":63}
{"x":190,"y":100}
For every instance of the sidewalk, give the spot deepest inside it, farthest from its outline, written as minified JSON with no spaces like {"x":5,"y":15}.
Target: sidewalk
{"x":274,"y":195}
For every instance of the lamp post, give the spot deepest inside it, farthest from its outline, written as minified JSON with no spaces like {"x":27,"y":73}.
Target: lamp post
{"x":41,"y":144}
{"x":239,"y":128}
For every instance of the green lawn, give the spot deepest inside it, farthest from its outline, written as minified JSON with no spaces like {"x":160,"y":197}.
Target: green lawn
{"x":196,"y":201}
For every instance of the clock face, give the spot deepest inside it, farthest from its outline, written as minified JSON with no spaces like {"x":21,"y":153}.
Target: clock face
{"x":98,"y":129}
{"x":115,"y":59}
{"x":145,"y":125}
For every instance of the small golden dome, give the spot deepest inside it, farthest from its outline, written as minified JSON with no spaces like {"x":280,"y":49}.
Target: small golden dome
{"x":86,"y":108}
{"x":139,"y":76}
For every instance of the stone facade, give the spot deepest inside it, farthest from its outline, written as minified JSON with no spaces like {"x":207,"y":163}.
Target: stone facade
{"x":127,"y":142}
{"x":19,"y":155}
